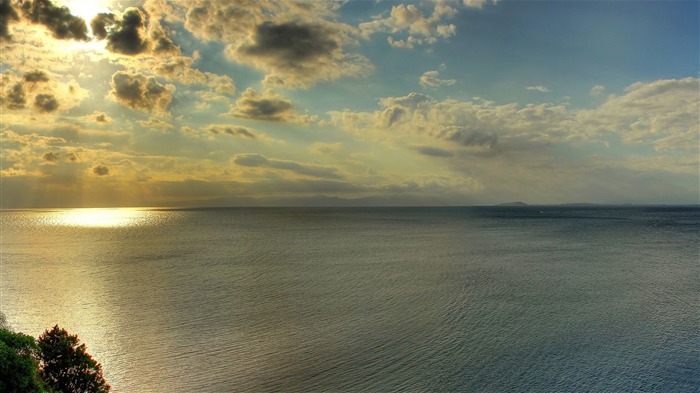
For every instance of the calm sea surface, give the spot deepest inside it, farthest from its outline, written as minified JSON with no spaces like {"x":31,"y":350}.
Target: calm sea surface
{"x":521,"y":299}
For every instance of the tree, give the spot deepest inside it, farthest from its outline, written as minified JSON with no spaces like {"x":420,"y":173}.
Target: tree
{"x":18,"y":361}
{"x":66,"y":366}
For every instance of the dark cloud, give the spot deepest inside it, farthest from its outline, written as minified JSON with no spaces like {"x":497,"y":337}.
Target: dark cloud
{"x":152,"y":122}
{"x":267,"y":106}
{"x":251,"y":159}
{"x":100,"y":23}
{"x":16,"y":98}
{"x":36,"y":76}
{"x":45,"y":103}
{"x":72,"y":157}
{"x":100,"y":170}
{"x":162,"y":44}
{"x":393,"y":115}
{"x":128,"y":37}
{"x":127,"y":34}
{"x":257,"y":160}
{"x":102,"y":118}
{"x":299,"y":54}
{"x":307,"y":170}
{"x":58,"y":20}
{"x":7,"y":13}
{"x":433,"y":151}
{"x":231,"y":130}
{"x":140,"y":92}
{"x":51,"y":157}
{"x":468,"y":137}
{"x":290,"y":42}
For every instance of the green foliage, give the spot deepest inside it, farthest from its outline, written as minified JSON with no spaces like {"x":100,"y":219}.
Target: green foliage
{"x":66,"y":366}
{"x":18,"y":363}
{"x":55,"y":363}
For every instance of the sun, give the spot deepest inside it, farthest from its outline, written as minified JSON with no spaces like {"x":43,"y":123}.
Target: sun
{"x":86,"y":9}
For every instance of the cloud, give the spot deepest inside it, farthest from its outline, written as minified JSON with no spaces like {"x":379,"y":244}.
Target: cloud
{"x":212,"y":20}
{"x":8,"y":13}
{"x":59,"y":20}
{"x":410,"y":22}
{"x":50,"y":157}
{"x":326,"y":148}
{"x":161,"y":44}
{"x":662,"y":113}
{"x":541,"y":89}
{"x":468,"y":137}
{"x":100,"y":170}
{"x":290,"y":42}
{"x":475,"y":125}
{"x":431,"y":79}
{"x":432,"y":151}
{"x":35,"y":90}
{"x":180,"y":68}
{"x":297,"y":44}
{"x":102,"y":117}
{"x":268,"y":106}
{"x":128,"y":34}
{"x":258,"y":160}
{"x":597,"y":90}
{"x":479,"y":3}
{"x":45,"y":103}
{"x":36,"y":76}
{"x":100,"y":23}
{"x":140,"y":92}
{"x":251,"y":159}
{"x":230,"y":130}
{"x":15,"y":98}
{"x":298,"y":53}
{"x":155,"y":123}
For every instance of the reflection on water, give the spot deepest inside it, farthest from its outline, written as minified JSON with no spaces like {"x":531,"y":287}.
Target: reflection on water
{"x":94,"y":217}
{"x":349,"y":300}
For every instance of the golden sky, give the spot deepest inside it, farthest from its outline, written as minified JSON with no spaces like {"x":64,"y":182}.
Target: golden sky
{"x":228,"y":103}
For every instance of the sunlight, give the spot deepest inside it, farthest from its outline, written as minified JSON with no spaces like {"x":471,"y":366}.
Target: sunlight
{"x":86,"y":9}
{"x":94,"y":217}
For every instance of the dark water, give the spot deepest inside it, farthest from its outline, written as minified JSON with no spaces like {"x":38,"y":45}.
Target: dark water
{"x":381,"y":299}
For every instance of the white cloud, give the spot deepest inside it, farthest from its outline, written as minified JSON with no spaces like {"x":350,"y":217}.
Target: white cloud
{"x":410,"y":22}
{"x":472,"y":125}
{"x":662,"y":115}
{"x":479,"y":3}
{"x":540,"y":88}
{"x":431,"y":79}
{"x":597,"y":90}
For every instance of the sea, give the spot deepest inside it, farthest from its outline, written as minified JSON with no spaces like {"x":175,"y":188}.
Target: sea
{"x":401,"y":299}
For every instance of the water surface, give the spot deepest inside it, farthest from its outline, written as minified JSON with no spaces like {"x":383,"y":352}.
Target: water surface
{"x":366,"y":299}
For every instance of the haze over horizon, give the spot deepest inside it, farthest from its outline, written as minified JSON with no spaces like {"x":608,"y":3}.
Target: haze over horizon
{"x":230,"y":103}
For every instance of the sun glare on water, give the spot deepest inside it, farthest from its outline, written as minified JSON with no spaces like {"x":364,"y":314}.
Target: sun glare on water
{"x":89,"y":217}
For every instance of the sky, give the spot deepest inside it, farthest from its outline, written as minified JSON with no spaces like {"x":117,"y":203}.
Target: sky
{"x":251,"y":103}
